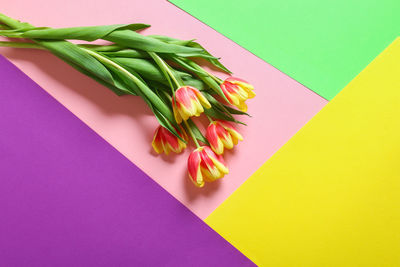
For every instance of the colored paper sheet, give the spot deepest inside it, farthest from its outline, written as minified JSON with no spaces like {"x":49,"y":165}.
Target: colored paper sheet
{"x":282,"y":106}
{"x":336,"y":203}
{"x":321,"y":44}
{"x":68,"y":198}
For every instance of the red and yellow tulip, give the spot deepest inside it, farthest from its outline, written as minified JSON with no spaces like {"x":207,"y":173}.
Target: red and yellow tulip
{"x":221,"y":134}
{"x":165,"y":142}
{"x":188,"y":102}
{"x":205,"y":166}
{"x":237,"y":91}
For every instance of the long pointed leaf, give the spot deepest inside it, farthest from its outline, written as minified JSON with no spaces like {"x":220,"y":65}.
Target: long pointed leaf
{"x":197,"y":133}
{"x":132,"y":53}
{"x":136,"y":40}
{"x":122,"y":34}
{"x":89,"y":33}
{"x":213,"y":61}
{"x":78,"y":56}
{"x":191,"y":43}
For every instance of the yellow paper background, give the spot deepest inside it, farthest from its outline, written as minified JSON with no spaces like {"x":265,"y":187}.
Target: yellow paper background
{"x":331,"y":195}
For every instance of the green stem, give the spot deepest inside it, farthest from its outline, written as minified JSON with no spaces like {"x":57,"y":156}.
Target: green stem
{"x":192,"y":134}
{"x":209,"y":79}
{"x":149,"y":94}
{"x":20,"y":45}
{"x":199,"y":68}
{"x":210,"y":119}
{"x":218,"y":80}
{"x":97,"y":48}
{"x":163,"y":65}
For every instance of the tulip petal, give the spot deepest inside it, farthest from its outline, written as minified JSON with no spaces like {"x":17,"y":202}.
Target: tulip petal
{"x":165,"y":141}
{"x":242,"y":106}
{"x":156,"y":143}
{"x":213,"y":139}
{"x":217,"y":161}
{"x":211,"y":176}
{"x":202,"y":99}
{"x":242,"y":83}
{"x":194,"y":170}
{"x":177,"y":116}
{"x":237,"y":91}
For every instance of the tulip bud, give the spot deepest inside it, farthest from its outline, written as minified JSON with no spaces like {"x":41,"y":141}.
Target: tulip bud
{"x":237,"y":91}
{"x":188,"y":102}
{"x":205,"y":165}
{"x":221,"y":134}
{"x":165,"y":141}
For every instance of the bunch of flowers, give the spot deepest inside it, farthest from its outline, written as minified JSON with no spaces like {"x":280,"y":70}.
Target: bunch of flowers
{"x":163,"y":72}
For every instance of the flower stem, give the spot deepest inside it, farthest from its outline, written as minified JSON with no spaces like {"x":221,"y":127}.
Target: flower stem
{"x":218,"y":80}
{"x":210,"y":119}
{"x":191,"y":134}
{"x":165,"y":68}
{"x":153,"y":98}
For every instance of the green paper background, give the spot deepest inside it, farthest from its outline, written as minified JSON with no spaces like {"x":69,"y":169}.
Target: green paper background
{"x":321,"y":44}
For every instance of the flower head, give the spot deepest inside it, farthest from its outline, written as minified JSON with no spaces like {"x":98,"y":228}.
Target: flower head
{"x":165,"y":141}
{"x":205,"y":165}
{"x":188,"y":102}
{"x":237,"y":91}
{"x":222,"y":134}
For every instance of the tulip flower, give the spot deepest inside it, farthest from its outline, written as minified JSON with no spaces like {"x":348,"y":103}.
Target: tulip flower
{"x":237,"y":91}
{"x":188,"y":102}
{"x":135,"y":64}
{"x":221,"y":134}
{"x":205,"y":165}
{"x":165,"y":141}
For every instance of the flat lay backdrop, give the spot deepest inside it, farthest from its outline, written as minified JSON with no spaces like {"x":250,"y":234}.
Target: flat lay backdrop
{"x":327,"y":197}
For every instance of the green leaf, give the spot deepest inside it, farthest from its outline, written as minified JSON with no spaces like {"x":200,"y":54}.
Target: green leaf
{"x":191,"y":43}
{"x":127,"y":53}
{"x":220,"y":111}
{"x":143,"y":89}
{"x":235,"y":111}
{"x":102,"y":48}
{"x":144,"y":67}
{"x":183,"y":64}
{"x":122,"y":34}
{"x":196,"y":132}
{"x":112,"y":87}
{"x":162,"y":94}
{"x":89,"y":33}
{"x":171,"y":40}
{"x":218,"y":114}
{"x":163,"y":67}
{"x":150,"y":71}
{"x":75,"y":56}
{"x":200,"y":55}
{"x":207,"y":78}
{"x":215,"y":103}
{"x":78,"y":56}
{"x":213,"y":61}
{"x":160,"y":87}
{"x":194,"y":82}
{"x":166,"y":124}
{"x":135,"y":40}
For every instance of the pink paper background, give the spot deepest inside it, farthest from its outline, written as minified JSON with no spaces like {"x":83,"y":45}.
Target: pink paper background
{"x":281,"y":108}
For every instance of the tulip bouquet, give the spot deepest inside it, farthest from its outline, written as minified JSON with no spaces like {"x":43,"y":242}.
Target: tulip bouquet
{"x":163,"y":72}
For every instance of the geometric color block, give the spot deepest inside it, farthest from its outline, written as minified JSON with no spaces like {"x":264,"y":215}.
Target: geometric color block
{"x":330,"y":196}
{"x":281,"y":108}
{"x":321,"y":44}
{"x":68,"y":198}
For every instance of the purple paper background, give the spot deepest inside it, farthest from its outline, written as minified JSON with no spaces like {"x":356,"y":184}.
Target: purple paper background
{"x":68,"y":198}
